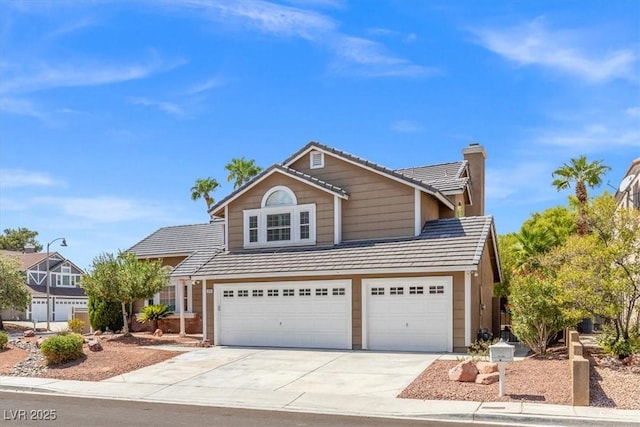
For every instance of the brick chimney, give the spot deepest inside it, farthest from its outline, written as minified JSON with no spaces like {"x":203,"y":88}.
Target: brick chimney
{"x":476,"y":155}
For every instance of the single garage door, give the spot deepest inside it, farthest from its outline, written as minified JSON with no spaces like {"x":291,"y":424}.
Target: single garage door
{"x":408,"y":314}
{"x":39,"y":309}
{"x":313,"y":314}
{"x":63,"y":306}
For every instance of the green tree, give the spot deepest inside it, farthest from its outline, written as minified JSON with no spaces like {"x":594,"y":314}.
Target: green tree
{"x":124,"y":279}
{"x":13,"y":290}
{"x":105,"y":314}
{"x":601,"y":272}
{"x":202,"y":188}
{"x":241,"y":171}
{"x":583,"y":174}
{"x":537,"y":310}
{"x":17,"y":239}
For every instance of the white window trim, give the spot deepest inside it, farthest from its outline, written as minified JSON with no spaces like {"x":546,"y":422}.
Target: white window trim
{"x":275,"y":189}
{"x":311,"y":156}
{"x":295,"y":225}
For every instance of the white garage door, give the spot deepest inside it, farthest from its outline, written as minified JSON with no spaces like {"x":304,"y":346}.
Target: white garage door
{"x":314,"y":314}
{"x":39,"y":309}
{"x":63,"y":307}
{"x":408,"y":314}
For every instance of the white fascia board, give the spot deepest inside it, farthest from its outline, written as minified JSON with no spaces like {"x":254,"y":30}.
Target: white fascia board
{"x":467,"y":308}
{"x":466,"y":268}
{"x":437,"y":194}
{"x":265,"y":176}
{"x":417,"y":212}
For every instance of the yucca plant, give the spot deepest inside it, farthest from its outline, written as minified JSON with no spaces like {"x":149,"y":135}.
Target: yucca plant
{"x":153,"y":313}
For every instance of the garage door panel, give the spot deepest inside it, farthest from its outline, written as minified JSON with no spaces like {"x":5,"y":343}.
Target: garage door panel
{"x":293,"y":314}
{"x":408,"y":314}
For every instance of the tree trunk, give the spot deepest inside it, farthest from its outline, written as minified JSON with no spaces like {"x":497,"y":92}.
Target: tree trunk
{"x":1,"y":324}
{"x":581,"y":194}
{"x":125,"y":325}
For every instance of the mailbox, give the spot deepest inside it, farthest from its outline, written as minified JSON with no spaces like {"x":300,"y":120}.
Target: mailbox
{"x":501,"y":352}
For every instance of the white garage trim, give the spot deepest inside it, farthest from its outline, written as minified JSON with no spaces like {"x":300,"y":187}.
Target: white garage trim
{"x":285,"y":316}
{"x":412,"y":292}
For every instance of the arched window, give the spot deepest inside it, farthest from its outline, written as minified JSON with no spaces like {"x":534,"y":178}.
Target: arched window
{"x":279,"y":196}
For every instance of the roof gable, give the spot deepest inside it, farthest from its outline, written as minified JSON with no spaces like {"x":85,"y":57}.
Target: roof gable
{"x":180,"y":240}
{"x":32,"y":259}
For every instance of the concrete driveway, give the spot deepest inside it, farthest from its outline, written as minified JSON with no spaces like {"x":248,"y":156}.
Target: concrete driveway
{"x":287,"y":371}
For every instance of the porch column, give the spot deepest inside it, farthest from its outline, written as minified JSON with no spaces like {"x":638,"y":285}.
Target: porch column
{"x":204,"y":309}
{"x":180,"y":298}
{"x":467,"y":308}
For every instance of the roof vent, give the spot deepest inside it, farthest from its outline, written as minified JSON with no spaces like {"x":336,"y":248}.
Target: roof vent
{"x":316,"y":160}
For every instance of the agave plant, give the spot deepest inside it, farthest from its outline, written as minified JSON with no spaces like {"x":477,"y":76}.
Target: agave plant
{"x":153,"y":313}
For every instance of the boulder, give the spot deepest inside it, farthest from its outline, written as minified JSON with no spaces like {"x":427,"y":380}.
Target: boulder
{"x":157,"y":333}
{"x":464,"y":372}
{"x":39,"y":341}
{"x":97,"y":333}
{"x":486,"y":379}
{"x":205,"y":343}
{"x":94,"y":345}
{"x":29,"y":333}
{"x":486,"y":367}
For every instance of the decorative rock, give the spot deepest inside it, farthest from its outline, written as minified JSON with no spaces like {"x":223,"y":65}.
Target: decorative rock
{"x":486,"y":367}
{"x":463,"y":372}
{"x":205,"y":343}
{"x":486,"y":379}
{"x":97,"y":333}
{"x":94,"y":345}
{"x":157,"y":333}
{"x":29,"y":333}
{"x":40,"y":341}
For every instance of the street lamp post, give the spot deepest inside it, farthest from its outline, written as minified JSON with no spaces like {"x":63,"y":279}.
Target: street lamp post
{"x":64,"y":244}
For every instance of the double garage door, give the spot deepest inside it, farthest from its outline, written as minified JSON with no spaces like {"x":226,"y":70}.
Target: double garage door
{"x":413,"y":314}
{"x":60,"y":308}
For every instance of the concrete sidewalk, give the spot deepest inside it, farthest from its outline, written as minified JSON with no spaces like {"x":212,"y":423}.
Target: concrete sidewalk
{"x":331,"y":382}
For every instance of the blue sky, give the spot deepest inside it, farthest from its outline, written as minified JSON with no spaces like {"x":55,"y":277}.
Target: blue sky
{"x":111,"y":110}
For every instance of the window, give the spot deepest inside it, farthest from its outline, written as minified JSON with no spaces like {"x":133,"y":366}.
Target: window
{"x":304,"y":292}
{"x":272,"y":293}
{"x":377,"y":291}
{"x":316,"y":160}
{"x":280,"y":221}
{"x":253,"y":228}
{"x":257,"y":293}
{"x":227,"y":294}
{"x":168,"y":297}
{"x":321,"y":292}
{"x":396,"y":291}
{"x":338,"y":291}
{"x":243,"y":293}
{"x":437,"y":289}
{"x":416,"y":290}
{"x":288,"y":293}
{"x":185,"y":298}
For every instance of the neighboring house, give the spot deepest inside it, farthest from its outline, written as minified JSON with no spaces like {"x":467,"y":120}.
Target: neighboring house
{"x":64,"y":289}
{"x":628,"y":194}
{"x":328,"y":250}
{"x":184,"y":244}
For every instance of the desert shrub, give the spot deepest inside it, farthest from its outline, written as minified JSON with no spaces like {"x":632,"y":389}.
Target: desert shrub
{"x":479,"y":349}
{"x":76,"y":325}
{"x":105,"y":315}
{"x":536,"y":305}
{"x":4,"y":339}
{"x":153,"y":313}
{"x":62,"y":348}
{"x":616,"y":345}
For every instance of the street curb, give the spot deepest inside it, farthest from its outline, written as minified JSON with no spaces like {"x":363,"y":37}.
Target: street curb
{"x":547,"y":420}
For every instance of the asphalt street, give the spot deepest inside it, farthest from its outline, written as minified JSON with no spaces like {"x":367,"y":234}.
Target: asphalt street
{"x":19,"y":409}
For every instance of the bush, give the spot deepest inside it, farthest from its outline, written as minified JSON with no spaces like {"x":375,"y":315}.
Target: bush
{"x":4,"y":339}
{"x":105,"y":314}
{"x":76,"y":325}
{"x":617,"y":345}
{"x":480,"y":348}
{"x":62,"y":348}
{"x":153,"y":313}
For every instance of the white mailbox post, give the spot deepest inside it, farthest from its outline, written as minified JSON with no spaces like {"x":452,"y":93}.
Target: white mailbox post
{"x":500,"y":353}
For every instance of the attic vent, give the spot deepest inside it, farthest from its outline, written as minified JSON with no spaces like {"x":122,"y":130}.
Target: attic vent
{"x":316,"y":160}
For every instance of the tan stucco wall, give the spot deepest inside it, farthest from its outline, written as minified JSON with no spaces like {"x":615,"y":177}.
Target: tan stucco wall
{"x":305,"y":193}
{"x":373,"y":199}
{"x":429,"y":208}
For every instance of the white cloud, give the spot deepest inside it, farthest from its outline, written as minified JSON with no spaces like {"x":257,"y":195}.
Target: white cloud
{"x":101,"y":209}
{"x":592,"y":137}
{"x":406,"y":126}
{"x":204,"y":86}
{"x":46,"y":76}
{"x":367,"y":58}
{"x":13,"y":178}
{"x":167,"y":107}
{"x":633,"y":111}
{"x":523,"y":183}
{"x":534,"y":44}
{"x":23,"y":107}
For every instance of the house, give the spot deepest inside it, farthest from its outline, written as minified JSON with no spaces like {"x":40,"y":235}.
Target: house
{"x":180,"y":245}
{"x":628,"y":194}
{"x":64,"y":289}
{"x":329,"y":250}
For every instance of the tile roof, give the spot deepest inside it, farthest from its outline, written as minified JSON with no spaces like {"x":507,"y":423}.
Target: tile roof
{"x":56,"y":291}
{"x":444,"y":243}
{"x":445,"y":177}
{"x":193,"y":262}
{"x":181,"y":240}
{"x":33,"y":258}
{"x":359,"y":160}
{"x":288,"y":171}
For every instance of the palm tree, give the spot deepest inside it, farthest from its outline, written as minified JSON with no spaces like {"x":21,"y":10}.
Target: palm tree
{"x":584,"y":174}
{"x":202,"y":188}
{"x":241,"y":171}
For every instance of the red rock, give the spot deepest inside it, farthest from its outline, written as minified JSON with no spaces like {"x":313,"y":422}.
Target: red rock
{"x":464,"y":372}
{"x":157,"y":333}
{"x":486,"y":367}
{"x":29,"y":333}
{"x":97,"y":333}
{"x":205,"y":343}
{"x":94,"y":345}
{"x":486,"y":379}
